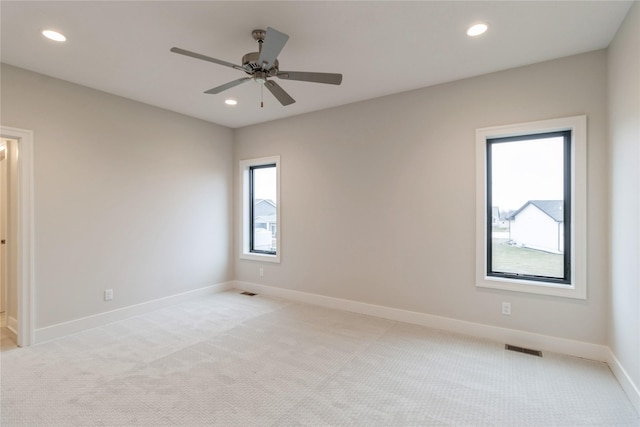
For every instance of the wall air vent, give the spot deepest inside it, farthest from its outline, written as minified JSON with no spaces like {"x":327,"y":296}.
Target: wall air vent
{"x":523,"y":350}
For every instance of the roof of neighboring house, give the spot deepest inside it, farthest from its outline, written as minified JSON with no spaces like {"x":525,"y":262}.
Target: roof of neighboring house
{"x":553,"y":208}
{"x":265,"y":218}
{"x":269,"y":201}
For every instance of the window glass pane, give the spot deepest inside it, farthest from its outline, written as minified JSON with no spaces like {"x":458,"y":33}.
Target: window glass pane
{"x":526,"y":195}
{"x":264,"y":219}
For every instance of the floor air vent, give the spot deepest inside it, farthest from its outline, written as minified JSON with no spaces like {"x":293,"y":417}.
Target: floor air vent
{"x":523,"y":350}
{"x":251,"y":294}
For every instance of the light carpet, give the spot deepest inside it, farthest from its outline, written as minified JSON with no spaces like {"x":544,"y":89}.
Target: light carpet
{"x":234,"y":360}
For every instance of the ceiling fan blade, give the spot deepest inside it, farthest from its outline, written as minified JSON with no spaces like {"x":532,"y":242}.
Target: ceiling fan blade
{"x":205,"y":58}
{"x":329,"y":78}
{"x":226,"y":86}
{"x":273,"y":43}
{"x":279,"y":93}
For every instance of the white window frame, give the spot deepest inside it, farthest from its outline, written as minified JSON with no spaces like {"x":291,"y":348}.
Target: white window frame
{"x":578,"y":286}
{"x":245,"y":222}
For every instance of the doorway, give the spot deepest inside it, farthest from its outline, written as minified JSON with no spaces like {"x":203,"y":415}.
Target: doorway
{"x":16,"y":229}
{"x":3,"y":233}
{"x":8,"y":288}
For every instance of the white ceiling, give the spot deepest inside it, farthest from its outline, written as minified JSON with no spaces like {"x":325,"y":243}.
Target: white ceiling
{"x":381,"y":48}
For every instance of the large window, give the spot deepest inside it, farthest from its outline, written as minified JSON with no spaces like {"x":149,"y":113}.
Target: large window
{"x":260,"y":209}
{"x":531,"y":180}
{"x":529,"y":194}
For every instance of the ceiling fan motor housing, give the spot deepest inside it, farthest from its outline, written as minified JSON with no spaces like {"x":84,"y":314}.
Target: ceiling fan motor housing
{"x":251,"y":65}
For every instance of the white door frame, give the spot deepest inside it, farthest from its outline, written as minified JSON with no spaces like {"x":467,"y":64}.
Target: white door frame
{"x":25,"y":259}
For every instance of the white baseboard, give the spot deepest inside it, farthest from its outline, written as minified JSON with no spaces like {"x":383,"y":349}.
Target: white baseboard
{"x":12,"y":324}
{"x":625,"y":381}
{"x":493,"y":333}
{"x":74,"y":326}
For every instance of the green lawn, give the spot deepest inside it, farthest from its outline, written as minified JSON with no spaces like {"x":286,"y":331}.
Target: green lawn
{"x":512,"y":259}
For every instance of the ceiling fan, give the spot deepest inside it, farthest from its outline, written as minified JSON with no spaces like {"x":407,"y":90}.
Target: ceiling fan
{"x":262,"y":65}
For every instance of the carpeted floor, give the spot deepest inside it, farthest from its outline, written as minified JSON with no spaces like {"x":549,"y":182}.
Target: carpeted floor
{"x":234,"y":360}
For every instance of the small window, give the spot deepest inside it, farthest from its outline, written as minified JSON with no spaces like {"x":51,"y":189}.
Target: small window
{"x":260,"y":209}
{"x":262,"y":204}
{"x":531,"y":206}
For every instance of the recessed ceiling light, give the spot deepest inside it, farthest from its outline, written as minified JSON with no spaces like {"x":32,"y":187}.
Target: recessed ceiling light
{"x":230,"y":101}
{"x":477,"y":29}
{"x":54,"y":35}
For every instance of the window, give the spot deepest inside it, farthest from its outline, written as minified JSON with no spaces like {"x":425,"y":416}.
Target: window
{"x":531,"y":206}
{"x":528,"y":192}
{"x":260,"y":207}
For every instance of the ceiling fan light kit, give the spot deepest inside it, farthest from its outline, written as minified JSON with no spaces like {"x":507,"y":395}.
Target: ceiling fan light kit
{"x":262,"y":65}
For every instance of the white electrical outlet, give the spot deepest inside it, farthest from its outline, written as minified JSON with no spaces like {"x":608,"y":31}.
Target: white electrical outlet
{"x":108,"y":294}
{"x":506,"y":308}
{"x":261,"y":271}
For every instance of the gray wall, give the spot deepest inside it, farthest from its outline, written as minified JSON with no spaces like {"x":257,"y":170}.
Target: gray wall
{"x":378,"y":197}
{"x":624,"y":169}
{"x":127,"y":196}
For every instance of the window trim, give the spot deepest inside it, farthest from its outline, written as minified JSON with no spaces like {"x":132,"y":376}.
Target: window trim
{"x":246,"y":167}
{"x":577,"y":288}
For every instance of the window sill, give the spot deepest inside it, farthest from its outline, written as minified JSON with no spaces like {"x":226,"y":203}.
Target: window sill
{"x":260,"y":257}
{"x":533,"y":287}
